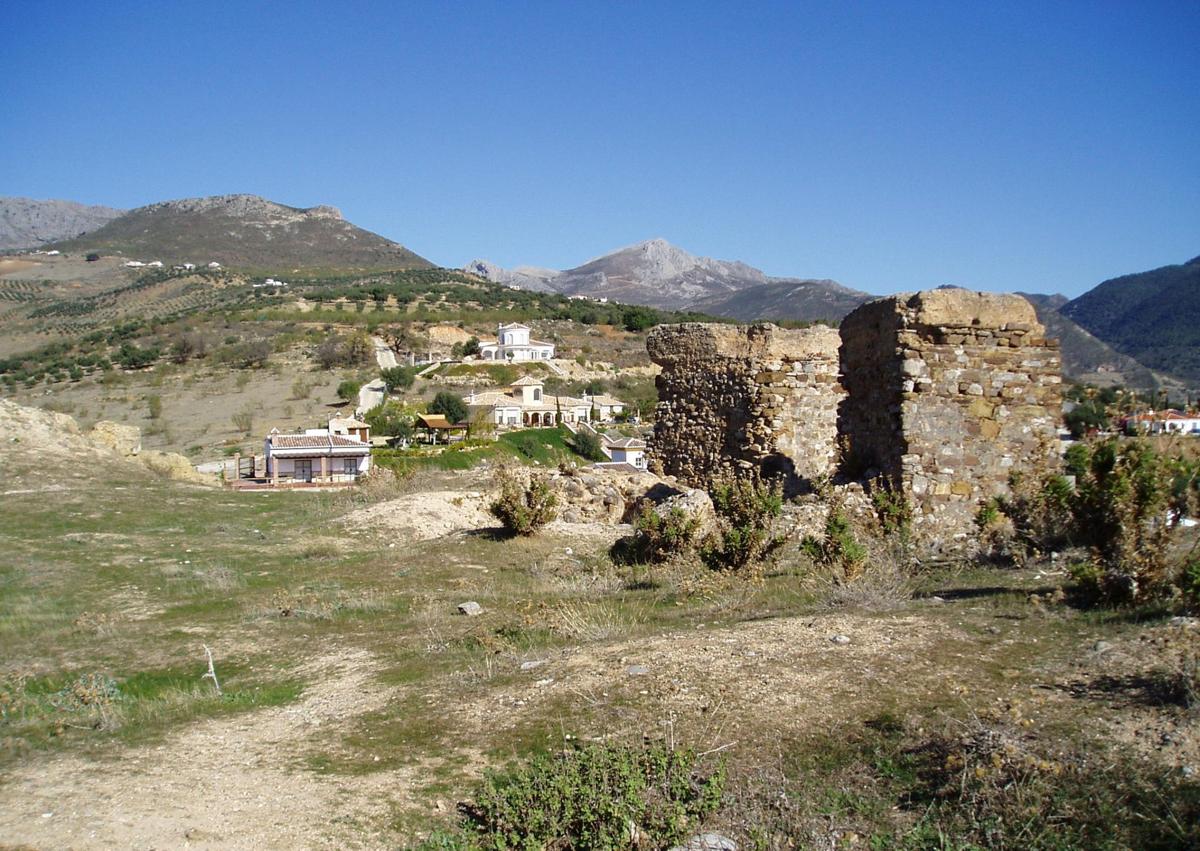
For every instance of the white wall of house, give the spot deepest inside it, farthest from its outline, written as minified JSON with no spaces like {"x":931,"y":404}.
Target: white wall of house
{"x":514,"y":337}
{"x":630,"y":455}
{"x":285,"y":467}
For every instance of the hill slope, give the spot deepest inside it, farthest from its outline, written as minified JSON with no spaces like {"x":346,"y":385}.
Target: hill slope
{"x":1151,"y":316}
{"x":246,"y":231}
{"x":26,"y":223}
{"x":659,"y":274}
{"x":786,"y":298}
{"x":1086,"y":357}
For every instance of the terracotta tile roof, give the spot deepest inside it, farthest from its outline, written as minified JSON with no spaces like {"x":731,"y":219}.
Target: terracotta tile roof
{"x":313,"y":441}
{"x":527,"y":381}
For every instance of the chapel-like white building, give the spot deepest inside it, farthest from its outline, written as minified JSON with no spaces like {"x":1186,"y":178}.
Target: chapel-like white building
{"x":512,"y":343}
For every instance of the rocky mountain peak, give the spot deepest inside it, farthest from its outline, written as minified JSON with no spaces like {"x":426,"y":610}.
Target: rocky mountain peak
{"x":242,"y":206}
{"x":26,"y":223}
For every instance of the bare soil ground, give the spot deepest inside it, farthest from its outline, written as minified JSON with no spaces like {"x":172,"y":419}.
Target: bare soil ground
{"x":400,"y":702}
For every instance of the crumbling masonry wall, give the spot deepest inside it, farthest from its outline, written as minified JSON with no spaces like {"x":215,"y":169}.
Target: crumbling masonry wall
{"x":948,"y":393}
{"x":943,"y":394}
{"x":745,"y":396}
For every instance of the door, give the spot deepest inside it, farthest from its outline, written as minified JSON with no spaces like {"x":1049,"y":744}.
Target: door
{"x":303,"y":469}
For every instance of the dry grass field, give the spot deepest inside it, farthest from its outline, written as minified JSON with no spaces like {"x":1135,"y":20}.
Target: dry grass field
{"x":358,"y":706}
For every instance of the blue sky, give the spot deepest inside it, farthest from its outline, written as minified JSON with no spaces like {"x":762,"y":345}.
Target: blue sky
{"x":891,"y":146}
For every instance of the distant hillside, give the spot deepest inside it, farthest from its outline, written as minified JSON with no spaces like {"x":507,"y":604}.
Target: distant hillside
{"x":1151,"y":316}
{"x":780,"y":299}
{"x":26,"y":223}
{"x":657,"y":274}
{"x":245,"y":231}
{"x":1085,"y":357}
{"x":522,"y":277}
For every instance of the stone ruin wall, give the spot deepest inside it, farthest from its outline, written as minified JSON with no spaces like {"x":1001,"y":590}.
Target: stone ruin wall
{"x":949,"y":392}
{"x":741,"y":396}
{"x":944,"y":393}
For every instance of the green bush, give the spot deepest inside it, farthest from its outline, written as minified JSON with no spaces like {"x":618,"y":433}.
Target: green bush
{"x":587,"y":445}
{"x":593,"y":797}
{"x":450,"y":405}
{"x":659,"y":537}
{"x":838,"y":547}
{"x":746,"y":508}
{"x":129,"y":356}
{"x":523,"y":509}
{"x":399,"y":377}
{"x":348,"y":389}
{"x":893,"y":509}
{"x":1040,"y":512}
{"x":1123,"y":490}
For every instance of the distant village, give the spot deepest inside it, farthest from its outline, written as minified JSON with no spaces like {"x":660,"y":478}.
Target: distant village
{"x":340,"y":452}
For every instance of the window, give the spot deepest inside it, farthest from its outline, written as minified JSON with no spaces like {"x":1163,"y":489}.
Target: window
{"x":537,"y":394}
{"x":349,"y":466}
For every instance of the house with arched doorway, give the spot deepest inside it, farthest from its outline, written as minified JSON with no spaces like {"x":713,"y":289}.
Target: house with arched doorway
{"x":526,"y":403}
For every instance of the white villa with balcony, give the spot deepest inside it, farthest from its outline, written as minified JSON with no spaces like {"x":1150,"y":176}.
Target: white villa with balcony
{"x":526,"y":403}
{"x":512,"y":343}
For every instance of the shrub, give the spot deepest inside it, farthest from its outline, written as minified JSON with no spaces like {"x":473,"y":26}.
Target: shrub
{"x":348,"y":389}
{"x":660,"y":537}
{"x":1040,"y":513}
{"x":745,"y":507}
{"x":153,"y":407}
{"x":187,"y":346}
{"x":1189,"y":582}
{"x":523,"y":509}
{"x":130,"y":356}
{"x":587,"y":445}
{"x":450,"y":405}
{"x":893,"y":510}
{"x":398,"y":377}
{"x":243,"y":420}
{"x":837,"y":548}
{"x":335,"y":351}
{"x":1120,"y":507}
{"x":602,"y":797}
{"x":301,"y":389}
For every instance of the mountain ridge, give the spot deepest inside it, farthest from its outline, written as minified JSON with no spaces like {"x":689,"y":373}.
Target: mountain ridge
{"x":244,"y":230}
{"x":28,"y":223}
{"x":654,"y":273}
{"x":1150,"y":316}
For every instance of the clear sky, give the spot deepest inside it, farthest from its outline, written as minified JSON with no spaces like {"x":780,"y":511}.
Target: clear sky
{"x":1034,"y":146}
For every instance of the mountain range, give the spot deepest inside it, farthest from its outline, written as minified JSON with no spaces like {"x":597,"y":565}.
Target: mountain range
{"x":1133,"y":329}
{"x":242,"y":230}
{"x":26,"y":223}
{"x":1152,"y":316}
{"x":658,"y":274}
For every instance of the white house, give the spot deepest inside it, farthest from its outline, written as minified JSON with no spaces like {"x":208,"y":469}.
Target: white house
{"x":339,"y":454}
{"x":607,"y":407}
{"x":525,"y":403}
{"x":512,"y":343}
{"x":629,"y":450}
{"x":1169,"y":421}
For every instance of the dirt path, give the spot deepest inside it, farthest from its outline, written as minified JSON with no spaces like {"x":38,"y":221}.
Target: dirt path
{"x":228,"y":783}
